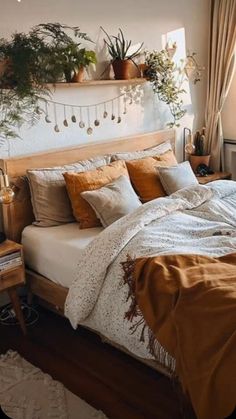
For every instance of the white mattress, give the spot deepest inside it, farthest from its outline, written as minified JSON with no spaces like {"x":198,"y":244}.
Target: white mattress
{"x":53,"y":251}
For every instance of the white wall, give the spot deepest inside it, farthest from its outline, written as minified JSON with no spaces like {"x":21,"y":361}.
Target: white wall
{"x":230,"y":158}
{"x":141,"y":21}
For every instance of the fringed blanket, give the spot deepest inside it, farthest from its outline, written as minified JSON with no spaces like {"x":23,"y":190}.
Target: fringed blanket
{"x":189,"y":304}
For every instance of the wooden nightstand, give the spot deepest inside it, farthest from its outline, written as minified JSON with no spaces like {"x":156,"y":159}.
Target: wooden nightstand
{"x":216,"y":176}
{"x":12,"y":275}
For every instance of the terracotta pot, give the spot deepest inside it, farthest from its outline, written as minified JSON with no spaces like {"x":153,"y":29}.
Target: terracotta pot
{"x":7,"y":79}
{"x":196,"y":160}
{"x":3,"y":67}
{"x":6,"y":71}
{"x":125,"y":69}
{"x":78,"y":76}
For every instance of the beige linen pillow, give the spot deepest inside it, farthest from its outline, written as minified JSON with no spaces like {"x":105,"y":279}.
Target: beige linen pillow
{"x":149,"y":152}
{"x":113,"y":201}
{"x":50,"y":201}
{"x":174,"y":178}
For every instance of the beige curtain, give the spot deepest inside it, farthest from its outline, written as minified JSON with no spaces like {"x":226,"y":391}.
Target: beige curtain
{"x":220,"y":72}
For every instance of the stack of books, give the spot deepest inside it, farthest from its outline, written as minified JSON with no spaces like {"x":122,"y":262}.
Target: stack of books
{"x":10,"y":261}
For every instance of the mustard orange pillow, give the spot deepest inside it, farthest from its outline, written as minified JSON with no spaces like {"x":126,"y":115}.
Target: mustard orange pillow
{"x":145,"y":178}
{"x":89,"y":181}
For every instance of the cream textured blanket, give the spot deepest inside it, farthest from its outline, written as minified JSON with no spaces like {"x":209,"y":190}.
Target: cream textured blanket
{"x":196,"y":220}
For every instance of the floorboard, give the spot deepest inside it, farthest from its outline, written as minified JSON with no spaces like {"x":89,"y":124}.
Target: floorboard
{"x":103,"y":376}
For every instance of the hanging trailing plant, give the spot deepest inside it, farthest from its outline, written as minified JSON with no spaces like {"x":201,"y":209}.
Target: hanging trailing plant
{"x":27,"y":63}
{"x":162,"y":73}
{"x":15,"y":111}
{"x":22,"y":80}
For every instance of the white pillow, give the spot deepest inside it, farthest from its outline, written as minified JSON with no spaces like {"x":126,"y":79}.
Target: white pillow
{"x":174,"y":178}
{"x":149,"y":152}
{"x":113,"y":201}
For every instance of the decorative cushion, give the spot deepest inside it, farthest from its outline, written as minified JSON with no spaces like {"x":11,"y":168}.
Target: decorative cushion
{"x":144,"y":176}
{"x":177,"y":177}
{"x":50,"y":201}
{"x":149,"y":152}
{"x":113,"y":201}
{"x":77,"y":183}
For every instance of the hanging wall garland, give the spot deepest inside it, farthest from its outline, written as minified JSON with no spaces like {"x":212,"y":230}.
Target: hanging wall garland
{"x":90,"y":116}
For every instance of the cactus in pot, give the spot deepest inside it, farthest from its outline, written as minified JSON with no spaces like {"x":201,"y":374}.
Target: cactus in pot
{"x":199,"y":156}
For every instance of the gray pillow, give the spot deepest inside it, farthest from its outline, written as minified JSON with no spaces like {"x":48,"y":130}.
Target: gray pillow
{"x":174,"y":178}
{"x":149,"y":152}
{"x":113,"y":201}
{"x":50,"y":201}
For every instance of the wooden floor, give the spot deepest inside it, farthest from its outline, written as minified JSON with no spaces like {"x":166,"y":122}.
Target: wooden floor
{"x":103,"y":376}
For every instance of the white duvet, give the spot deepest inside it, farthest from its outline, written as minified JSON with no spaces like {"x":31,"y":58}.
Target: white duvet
{"x":200,"y":219}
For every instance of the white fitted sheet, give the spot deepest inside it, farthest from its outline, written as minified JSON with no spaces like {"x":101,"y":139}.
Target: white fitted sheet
{"x":53,"y":251}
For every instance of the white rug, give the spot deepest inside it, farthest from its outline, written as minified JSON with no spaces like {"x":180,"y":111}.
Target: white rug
{"x":27,"y":393}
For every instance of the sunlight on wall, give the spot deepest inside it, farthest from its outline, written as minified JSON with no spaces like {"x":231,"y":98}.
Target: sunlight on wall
{"x":179,"y":37}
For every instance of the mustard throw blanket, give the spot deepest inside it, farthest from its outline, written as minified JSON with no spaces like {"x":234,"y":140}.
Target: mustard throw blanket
{"x":189,"y":303}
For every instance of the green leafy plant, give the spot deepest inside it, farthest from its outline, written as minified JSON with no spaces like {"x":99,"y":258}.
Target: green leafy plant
{"x":118,"y":47}
{"x":21,"y":68}
{"x":70,"y":59}
{"x":22,"y":81}
{"x":67,"y":56}
{"x":86,"y":57}
{"x":162,"y":73}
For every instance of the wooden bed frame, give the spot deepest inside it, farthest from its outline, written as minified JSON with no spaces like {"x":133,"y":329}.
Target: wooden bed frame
{"x":17,"y":215}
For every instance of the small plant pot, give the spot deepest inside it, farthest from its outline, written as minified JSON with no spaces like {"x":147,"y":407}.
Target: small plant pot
{"x":3,"y":67}
{"x":78,"y":76}
{"x":125,"y":70}
{"x":196,"y":160}
{"x":6,"y":74}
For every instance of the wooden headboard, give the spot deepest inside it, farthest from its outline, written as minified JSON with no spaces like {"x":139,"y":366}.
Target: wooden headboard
{"x":17,"y":215}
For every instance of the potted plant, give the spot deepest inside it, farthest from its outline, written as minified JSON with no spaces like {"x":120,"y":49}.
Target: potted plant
{"x":27,"y":63}
{"x":84,"y":59}
{"x":199,"y":156}
{"x":22,"y":81}
{"x":121,"y":59}
{"x":67,"y":55}
{"x":72,"y":61}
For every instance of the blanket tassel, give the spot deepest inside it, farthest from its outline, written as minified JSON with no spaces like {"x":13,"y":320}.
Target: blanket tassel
{"x":134,"y":312}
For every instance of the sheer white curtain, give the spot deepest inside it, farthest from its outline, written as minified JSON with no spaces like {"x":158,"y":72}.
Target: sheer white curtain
{"x":220,"y":72}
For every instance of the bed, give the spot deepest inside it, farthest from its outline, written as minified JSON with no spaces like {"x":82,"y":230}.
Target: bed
{"x":50,"y":288}
{"x":90,"y":289}
{"x":57,"y":250}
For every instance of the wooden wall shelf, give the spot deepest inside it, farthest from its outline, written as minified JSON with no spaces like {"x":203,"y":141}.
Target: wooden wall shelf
{"x":99,"y":83}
